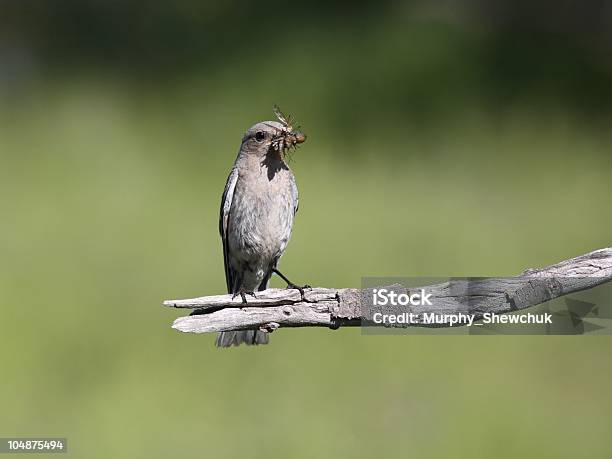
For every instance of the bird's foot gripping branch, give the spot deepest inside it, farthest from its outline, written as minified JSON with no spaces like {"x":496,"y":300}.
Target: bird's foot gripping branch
{"x":465,"y":305}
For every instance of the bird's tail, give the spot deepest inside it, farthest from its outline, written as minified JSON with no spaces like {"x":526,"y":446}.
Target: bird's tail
{"x":236,"y":338}
{"x":248,"y":337}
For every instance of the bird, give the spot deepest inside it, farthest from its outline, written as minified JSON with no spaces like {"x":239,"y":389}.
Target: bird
{"x":258,"y":207}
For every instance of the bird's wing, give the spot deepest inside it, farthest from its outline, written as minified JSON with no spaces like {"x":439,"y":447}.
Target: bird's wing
{"x":226,"y":205}
{"x":295,"y":195}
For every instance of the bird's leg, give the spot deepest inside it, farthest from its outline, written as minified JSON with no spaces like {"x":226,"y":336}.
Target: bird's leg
{"x":299,"y":288}
{"x":243,"y":293}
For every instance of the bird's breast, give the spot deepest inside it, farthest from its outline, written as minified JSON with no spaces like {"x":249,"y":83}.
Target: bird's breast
{"x":261,"y":218}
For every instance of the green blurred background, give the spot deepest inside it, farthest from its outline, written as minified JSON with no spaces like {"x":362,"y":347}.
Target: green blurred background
{"x":445,"y":138}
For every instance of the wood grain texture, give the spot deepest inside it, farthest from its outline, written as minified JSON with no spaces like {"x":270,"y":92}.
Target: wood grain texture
{"x":335,"y":307}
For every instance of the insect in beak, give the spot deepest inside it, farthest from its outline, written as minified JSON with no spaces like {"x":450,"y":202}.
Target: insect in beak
{"x":294,"y":138}
{"x":287,"y":138}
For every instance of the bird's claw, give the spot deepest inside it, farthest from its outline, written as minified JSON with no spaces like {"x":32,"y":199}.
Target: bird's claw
{"x":243,"y":295}
{"x":300,"y":289}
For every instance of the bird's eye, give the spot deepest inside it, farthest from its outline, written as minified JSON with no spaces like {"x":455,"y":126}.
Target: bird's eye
{"x":260,"y":135}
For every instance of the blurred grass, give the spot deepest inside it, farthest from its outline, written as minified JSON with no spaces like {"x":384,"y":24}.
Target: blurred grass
{"x":110,"y":197}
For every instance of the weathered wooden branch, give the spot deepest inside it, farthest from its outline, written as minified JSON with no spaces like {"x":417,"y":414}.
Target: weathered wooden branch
{"x":332,"y":307}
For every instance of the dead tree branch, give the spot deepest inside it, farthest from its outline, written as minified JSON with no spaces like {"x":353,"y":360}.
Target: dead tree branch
{"x":335,"y":307}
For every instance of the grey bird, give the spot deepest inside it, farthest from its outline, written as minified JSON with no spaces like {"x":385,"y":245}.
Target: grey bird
{"x":257,"y":211}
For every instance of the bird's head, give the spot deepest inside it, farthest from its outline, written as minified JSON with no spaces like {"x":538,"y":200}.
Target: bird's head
{"x":272,"y":136}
